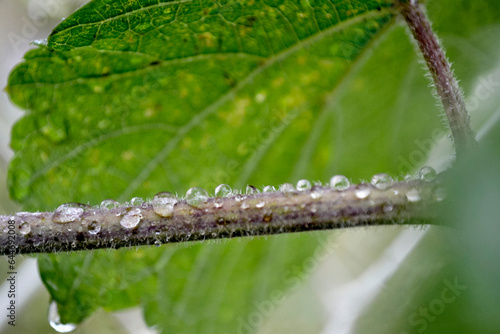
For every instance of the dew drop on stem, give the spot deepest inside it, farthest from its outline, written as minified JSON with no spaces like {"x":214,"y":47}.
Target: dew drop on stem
{"x":132,"y":218}
{"x":196,"y":196}
{"x":303,"y":185}
{"x":339,"y":182}
{"x":68,"y":213}
{"x":163,"y":204}
{"x":223,"y":190}
{"x":427,"y":174}
{"x":382,"y":181}
{"x":109,"y":204}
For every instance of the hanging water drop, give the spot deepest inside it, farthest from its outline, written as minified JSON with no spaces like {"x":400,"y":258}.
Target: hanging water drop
{"x":363,"y":192}
{"x":163,"y":204}
{"x":109,"y":204}
{"x":260,"y":204}
{"x":132,"y":218}
{"x":157,"y":243}
{"x":303,"y":185}
{"x":68,"y":213}
{"x":339,"y":182}
{"x":251,"y":190}
{"x":223,"y":190}
{"x":55,"y":320}
{"x":287,"y":187}
{"x":269,"y":189}
{"x":413,"y":195}
{"x":24,"y":227}
{"x":427,"y":174}
{"x":196,"y":195}
{"x":382,"y":181}
{"x":94,"y":227}
{"x":136,"y":201}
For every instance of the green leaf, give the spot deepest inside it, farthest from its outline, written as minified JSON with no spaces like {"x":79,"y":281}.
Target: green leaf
{"x":131,"y":98}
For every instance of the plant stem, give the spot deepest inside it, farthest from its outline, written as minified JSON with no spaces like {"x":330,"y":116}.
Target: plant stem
{"x":259,"y":214}
{"x":446,"y":85}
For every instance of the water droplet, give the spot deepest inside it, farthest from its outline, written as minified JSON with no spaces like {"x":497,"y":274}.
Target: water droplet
{"x":303,"y":185}
{"x":413,"y":195}
{"x":218,"y":203}
{"x":196,"y":195}
{"x":440,"y":194}
{"x":41,"y":42}
{"x":136,"y":201}
{"x":261,"y":204}
{"x":239,"y":198}
{"x":55,"y":320}
{"x":427,"y":174}
{"x":287,"y":187}
{"x":245,"y":205}
{"x":269,"y":189}
{"x":387,"y":207}
{"x":68,"y":213}
{"x":132,"y":218}
{"x":316,"y":194}
{"x":163,"y":204}
{"x":382,"y":181}
{"x":223,"y":190}
{"x":339,"y":182}
{"x":109,"y":204}
{"x":157,"y":243}
{"x":94,"y":227}
{"x":24,"y":227}
{"x":363,"y":192}
{"x":251,"y":190}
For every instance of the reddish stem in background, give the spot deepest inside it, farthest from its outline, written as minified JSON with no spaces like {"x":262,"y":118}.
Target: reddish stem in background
{"x":446,"y":84}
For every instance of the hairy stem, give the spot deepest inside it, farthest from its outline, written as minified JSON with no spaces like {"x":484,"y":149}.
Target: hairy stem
{"x":240,"y":215}
{"x":446,"y":85}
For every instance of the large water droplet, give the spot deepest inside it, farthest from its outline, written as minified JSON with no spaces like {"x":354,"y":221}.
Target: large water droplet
{"x":382,"y":181}
{"x":223,"y":190}
{"x":363,"y":192}
{"x":136,"y":201}
{"x":163,"y":204}
{"x":68,"y":213}
{"x":24,"y":227}
{"x":94,"y":227}
{"x":132,"y":218}
{"x":287,"y":187}
{"x":427,"y":174}
{"x":55,"y":320}
{"x":339,"y":182}
{"x":251,"y":190}
{"x":269,"y":189}
{"x":196,"y":195}
{"x":413,"y":195}
{"x":109,"y":204}
{"x":303,"y":185}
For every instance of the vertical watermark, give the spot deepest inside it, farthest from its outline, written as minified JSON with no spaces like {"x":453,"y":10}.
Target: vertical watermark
{"x":11,"y":279}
